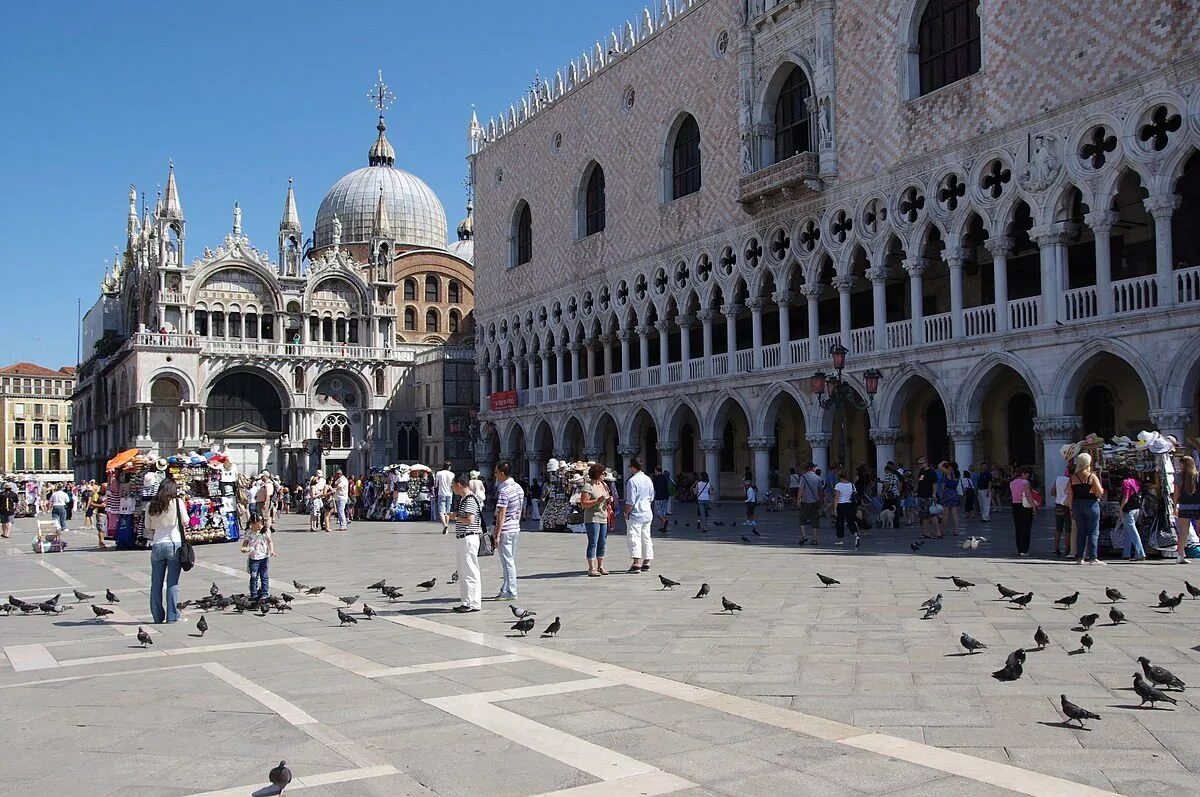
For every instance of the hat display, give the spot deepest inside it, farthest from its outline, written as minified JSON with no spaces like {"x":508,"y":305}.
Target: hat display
{"x":552,"y":465}
{"x":161,"y":464}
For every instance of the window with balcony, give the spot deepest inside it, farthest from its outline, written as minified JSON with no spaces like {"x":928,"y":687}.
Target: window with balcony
{"x":55,"y":459}
{"x":54,"y":433}
{"x":793,"y":133}
{"x":39,"y":410}
{"x":39,"y":434}
{"x":685,"y":158}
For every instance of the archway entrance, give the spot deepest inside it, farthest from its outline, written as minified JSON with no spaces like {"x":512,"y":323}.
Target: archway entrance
{"x":572,"y":447}
{"x":920,"y":414}
{"x":1002,"y":404}
{"x":245,"y":415}
{"x":1109,"y":397}
{"x":166,"y":400}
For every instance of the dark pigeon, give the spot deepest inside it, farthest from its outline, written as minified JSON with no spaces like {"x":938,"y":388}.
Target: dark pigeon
{"x":1160,"y":676}
{"x":933,"y":611}
{"x":100,"y":611}
{"x":1116,"y":615}
{"x":1022,"y":600}
{"x":1005,"y":592}
{"x":428,"y":585}
{"x":667,"y":583}
{"x":393,"y":593}
{"x":524,"y":626}
{"x":349,"y":600}
{"x":108,"y":593}
{"x":280,"y":777}
{"x":143,"y":636}
{"x":1041,"y":638}
{"x":1087,"y":621}
{"x":368,"y":612}
{"x":703,"y":591}
{"x":314,"y":590}
{"x":202,"y":625}
{"x":1193,"y":591}
{"x":1068,"y":601}
{"x":1074,"y":712}
{"x":729,"y":605}
{"x":553,"y":628}
{"x":1087,"y":642}
{"x":828,"y":581}
{"x":1150,"y":693}
{"x":346,"y":618}
{"x":380,"y":584}
{"x":1171,"y":603}
{"x":935,"y":599}
{"x":961,"y":583}
{"x":1113,"y":594}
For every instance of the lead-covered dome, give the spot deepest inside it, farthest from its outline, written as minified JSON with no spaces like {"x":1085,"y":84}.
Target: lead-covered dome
{"x":416,"y":215}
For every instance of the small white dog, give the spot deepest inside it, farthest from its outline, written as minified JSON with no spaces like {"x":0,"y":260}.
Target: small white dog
{"x":887,"y":519}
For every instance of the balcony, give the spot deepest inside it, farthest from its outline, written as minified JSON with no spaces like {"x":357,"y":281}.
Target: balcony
{"x":781,"y":182}
{"x":179,"y":341}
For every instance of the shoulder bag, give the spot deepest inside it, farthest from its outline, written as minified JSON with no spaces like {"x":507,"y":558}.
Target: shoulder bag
{"x":187,"y":554}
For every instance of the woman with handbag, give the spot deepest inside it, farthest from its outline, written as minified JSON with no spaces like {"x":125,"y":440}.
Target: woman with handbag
{"x":165,"y":524}
{"x":1131,"y":510}
{"x":844,"y":504}
{"x":1024,"y":507}
{"x":595,"y":500}
{"x":1084,"y":500}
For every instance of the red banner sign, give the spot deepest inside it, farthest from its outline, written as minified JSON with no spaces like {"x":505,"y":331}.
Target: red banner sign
{"x":505,"y":400}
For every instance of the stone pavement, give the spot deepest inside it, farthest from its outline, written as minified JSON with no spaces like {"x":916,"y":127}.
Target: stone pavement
{"x":809,"y":690}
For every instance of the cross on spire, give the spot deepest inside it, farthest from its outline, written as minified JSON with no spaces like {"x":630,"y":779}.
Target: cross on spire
{"x":380,"y":95}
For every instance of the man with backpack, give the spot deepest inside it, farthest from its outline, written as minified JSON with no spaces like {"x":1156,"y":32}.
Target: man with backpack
{"x":808,"y":498}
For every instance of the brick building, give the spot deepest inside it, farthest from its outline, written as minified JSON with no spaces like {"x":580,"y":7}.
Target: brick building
{"x":35,"y":421}
{"x":992,"y":205}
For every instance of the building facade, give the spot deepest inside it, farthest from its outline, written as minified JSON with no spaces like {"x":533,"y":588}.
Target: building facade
{"x":294,"y":362}
{"x":35,"y":421}
{"x":994,"y":208}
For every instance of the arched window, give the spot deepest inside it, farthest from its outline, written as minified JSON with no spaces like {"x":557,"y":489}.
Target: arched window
{"x":523,"y":236}
{"x":431,"y":320}
{"x":948,"y":42}
{"x":380,"y":382}
{"x":432,"y":289}
{"x":410,"y":290}
{"x":792,"y":121}
{"x":453,"y":292}
{"x":593,"y":202}
{"x":453,"y":321}
{"x":335,"y":432}
{"x":298,"y":378}
{"x":685,"y":159}
{"x":410,"y":320}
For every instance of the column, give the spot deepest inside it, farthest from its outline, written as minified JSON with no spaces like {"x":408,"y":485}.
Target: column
{"x":1000,"y":249}
{"x":1162,"y":208}
{"x":885,"y":447}
{"x":546,"y":368}
{"x":761,"y":446}
{"x":915,"y":266}
{"x":819,"y":443}
{"x":955,"y":256}
{"x":533,"y":465}
{"x":627,"y":453}
{"x":1101,"y":223}
{"x":589,"y":346}
{"x":707,"y":316}
{"x":756,"y":336}
{"x":811,"y":294}
{"x":519,"y":371}
{"x":712,"y":463}
{"x":1056,"y":431}
{"x":685,"y":322}
{"x":843,"y":286}
{"x":483,"y":374}
{"x":531,"y":371}
{"x":495,"y":383}
{"x":783,"y":299}
{"x":506,"y":374}
{"x":664,"y":345}
{"x":560,"y":352}
{"x":623,"y":335}
{"x":606,"y":341}
{"x":666,"y":456}
{"x":964,"y":436}
{"x":643,"y":332}
{"x":731,"y":313}
{"x":574,"y":347}
{"x":1051,"y":249}
{"x":592,"y":454}
{"x":878,"y":277}
{"x":1172,"y":422}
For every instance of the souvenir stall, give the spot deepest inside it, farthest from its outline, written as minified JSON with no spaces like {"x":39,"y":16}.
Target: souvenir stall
{"x":564,"y":483}
{"x":401,"y":492}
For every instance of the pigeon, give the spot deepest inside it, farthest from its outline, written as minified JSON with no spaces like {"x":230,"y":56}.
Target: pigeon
{"x":52,"y":608}
{"x":428,"y":585}
{"x":1150,"y":693}
{"x":346,"y":618}
{"x":1022,"y":600}
{"x":143,"y":636}
{"x":314,"y":590}
{"x":108,"y":593}
{"x":1074,"y":712}
{"x":827,"y":580}
{"x":213,"y":590}
{"x":349,"y":600}
{"x":933,"y":611}
{"x":100,"y":611}
{"x":54,"y":601}
{"x":970,"y":643}
{"x":747,"y":539}
{"x":1017,"y":656}
{"x":368,"y":612}
{"x":1160,"y":676}
{"x":1171,"y":603}
{"x":286,"y":597}
{"x":553,"y":628}
{"x":393,"y":593}
{"x":914,"y":546}
{"x":1163,"y":597}
{"x":754,"y":530}
{"x":5,"y":609}
{"x":1068,"y":601}
{"x":667,"y":583}
{"x":179,"y":607}
{"x":280,"y":776}
{"x":524,"y":625}
{"x":935,"y":599}
{"x":961,"y":583}
{"x":1005,"y":592}
{"x":1011,"y":671}
{"x":1193,"y":591}
{"x":299,"y":587}
{"x":16,"y":603}
{"x":454,"y":577}
{"x":703,"y":591}
{"x":520,"y":613}
{"x":202,"y":625}
{"x":28,"y":608}
{"x":1087,"y":621}
{"x":380,"y":584}
{"x":1116,"y":615}
{"x":1086,"y":640}
{"x":1113,"y":594}
{"x":1041,"y":638}
{"x":729,"y":605}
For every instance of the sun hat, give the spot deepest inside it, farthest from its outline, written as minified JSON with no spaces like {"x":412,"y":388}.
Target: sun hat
{"x":473,"y":474}
{"x":161,"y":464}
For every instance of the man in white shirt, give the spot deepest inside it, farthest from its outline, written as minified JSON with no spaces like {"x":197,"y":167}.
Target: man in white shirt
{"x":341,"y":497}
{"x":443,"y":485}
{"x":58,"y":507}
{"x":639,"y":515}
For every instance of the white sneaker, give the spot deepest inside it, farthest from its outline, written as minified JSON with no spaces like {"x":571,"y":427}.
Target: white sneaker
{"x":839,"y":542}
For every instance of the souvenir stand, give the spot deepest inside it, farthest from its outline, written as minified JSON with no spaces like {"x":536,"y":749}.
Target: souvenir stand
{"x":420,"y":491}
{"x":557,"y":510}
{"x":400,"y":492}
{"x":215,"y":491}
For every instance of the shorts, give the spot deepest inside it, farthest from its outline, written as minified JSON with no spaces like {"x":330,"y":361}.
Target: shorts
{"x":444,"y":502}
{"x":750,"y":508}
{"x":923,"y":505}
{"x":662,"y":508}
{"x":90,"y":511}
{"x":809,"y":514}
{"x":5,"y":518}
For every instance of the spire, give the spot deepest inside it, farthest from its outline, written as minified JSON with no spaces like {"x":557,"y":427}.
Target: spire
{"x":171,"y":209}
{"x":291,"y":219}
{"x":466,"y":227}
{"x":383,"y":225}
{"x":131,"y":226}
{"x":381,"y":153}
{"x":475,"y":137}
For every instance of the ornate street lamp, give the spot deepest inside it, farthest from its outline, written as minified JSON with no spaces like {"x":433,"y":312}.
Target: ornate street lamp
{"x":833,"y":391}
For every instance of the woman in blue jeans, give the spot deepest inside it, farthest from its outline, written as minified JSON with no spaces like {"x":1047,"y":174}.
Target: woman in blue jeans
{"x":1131,"y":509}
{"x":1084,"y":500}
{"x":165,"y":522}
{"x":594,"y":500}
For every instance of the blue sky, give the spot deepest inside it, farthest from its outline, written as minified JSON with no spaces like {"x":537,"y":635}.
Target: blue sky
{"x":98,"y":95}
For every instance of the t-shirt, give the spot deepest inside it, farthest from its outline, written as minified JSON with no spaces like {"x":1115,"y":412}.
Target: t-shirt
{"x":259,"y":543}
{"x":639,"y":493}
{"x":1017,"y":490}
{"x":844,"y":491}
{"x":478,"y":489}
{"x":891,"y":484}
{"x":793,"y":481}
{"x":751,"y":495}
{"x":58,"y":498}
{"x":341,"y":487}
{"x":662,"y":486}
{"x":1061,"y":489}
{"x":443,"y":482}
{"x":511,"y":498}
{"x":983,"y":480}
{"x":599,"y":511}
{"x":469,"y":505}
{"x":703,"y":491}
{"x":166,"y":525}
{"x":810,"y":488}
{"x":926,"y":481}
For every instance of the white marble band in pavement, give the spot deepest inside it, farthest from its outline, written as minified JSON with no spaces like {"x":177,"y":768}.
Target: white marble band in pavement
{"x":307,"y":782}
{"x":70,"y":580}
{"x":288,"y":711}
{"x":650,"y":784}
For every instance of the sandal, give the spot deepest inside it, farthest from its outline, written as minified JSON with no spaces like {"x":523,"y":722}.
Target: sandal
{"x":593,"y":574}
{"x":603,"y":572}
{"x":645,"y":567}
{"x":634,"y":569}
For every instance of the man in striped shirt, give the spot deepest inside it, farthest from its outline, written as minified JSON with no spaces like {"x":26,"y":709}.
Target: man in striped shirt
{"x":510,"y":501}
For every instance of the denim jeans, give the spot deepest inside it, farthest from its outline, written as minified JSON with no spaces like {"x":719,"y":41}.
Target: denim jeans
{"x":597,"y":534}
{"x":1087,"y":524}
{"x":340,"y":503}
{"x":260,"y":581}
{"x":164,"y":565}
{"x":508,"y":564}
{"x":60,"y":517}
{"x":1132,"y":539}
{"x":702,"y":512}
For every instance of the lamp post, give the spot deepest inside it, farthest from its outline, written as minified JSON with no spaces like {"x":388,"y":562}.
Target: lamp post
{"x":833,"y":391}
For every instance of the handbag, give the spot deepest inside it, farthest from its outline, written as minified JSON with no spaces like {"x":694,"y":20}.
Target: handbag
{"x":935,"y":508}
{"x":187,"y":554}
{"x":1134,"y":502}
{"x":487,"y":545}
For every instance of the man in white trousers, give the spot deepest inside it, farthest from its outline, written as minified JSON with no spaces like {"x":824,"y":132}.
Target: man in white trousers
{"x":639,"y":516}
{"x":467,"y":529}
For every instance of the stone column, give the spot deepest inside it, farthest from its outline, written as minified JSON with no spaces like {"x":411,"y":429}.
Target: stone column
{"x":730,"y":312}
{"x":626,"y":453}
{"x":533,"y":464}
{"x":1172,"y":422}
{"x":546,"y":355}
{"x":1162,"y":208}
{"x":811,"y":294}
{"x":531,"y":371}
{"x":483,"y":374}
{"x":592,"y":454}
{"x":606,"y":341}
{"x":1000,"y":248}
{"x":663,"y":326}
{"x":964,"y":436}
{"x":1051,"y":240}
{"x":712,"y":463}
{"x":878,"y":277}
{"x":915,"y":266}
{"x":761,"y":446}
{"x":955,"y":256}
{"x":506,"y":373}
{"x":624,"y":335}
{"x":707,"y":315}
{"x":519,"y":363}
{"x":666,"y":456}
{"x":843,"y":286}
{"x":783,"y":300}
{"x":819,"y":443}
{"x":560,"y":353}
{"x":643,"y":332}
{"x":885,"y":447}
{"x":756,"y":331}
{"x":589,"y":346}
{"x":685,"y":322}
{"x":573,"y":347}
{"x":1055,"y":431}
{"x":1101,"y":223}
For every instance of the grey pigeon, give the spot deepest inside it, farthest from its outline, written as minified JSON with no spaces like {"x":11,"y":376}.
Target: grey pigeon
{"x":100,"y":611}
{"x":1005,"y":592}
{"x":299,"y":587}
{"x":280,"y":777}
{"x":553,"y":628}
{"x":380,"y":584}
{"x":144,"y":637}
{"x":202,"y":625}
{"x":667,"y":583}
{"x":314,"y":590}
{"x":1193,"y":591}
{"x":108,"y":593}
{"x":349,"y":600}
{"x":1149,"y":693}
{"x":703,"y":591}
{"x":393,"y":593}
{"x":1160,"y":676}
{"x":52,"y":608}
{"x":1087,"y":641}
{"x":970,"y":643}
{"x":961,"y":583}
{"x":1041,"y":638}
{"x":729,"y":605}
{"x":1113,"y":594}
{"x":1163,"y":597}
{"x":935,"y":599}
{"x":346,"y":618}
{"x":1171,"y":603}
{"x":286,"y":597}
{"x":520,"y":613}
{"x":1116,"y":615}
{"x":1022,"y":600}
{"x":1068,"y":601}
{"x":368,"y":612}
{"x":828,"y":581}
{"x":933,"y":611}
{"x":524,"y":625}
{"x":1074,"y":712}
{"x":428,"y":585}
{"x":1087,"y":621}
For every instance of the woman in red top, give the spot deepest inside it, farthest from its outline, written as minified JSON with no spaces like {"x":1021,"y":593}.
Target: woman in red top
{"x":1023,"y":508}
{"x":1131,"y":509}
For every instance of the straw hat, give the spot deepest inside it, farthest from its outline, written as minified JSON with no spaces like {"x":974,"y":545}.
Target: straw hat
{"x":161,"y":464}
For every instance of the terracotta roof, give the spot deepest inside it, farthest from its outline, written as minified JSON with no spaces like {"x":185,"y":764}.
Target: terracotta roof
{"x":29,"y":369}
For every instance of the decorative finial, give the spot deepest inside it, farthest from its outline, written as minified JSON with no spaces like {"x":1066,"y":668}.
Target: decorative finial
{"x":381,"y":96}
{"x":237,"y":219}
{"x":337,"y":232}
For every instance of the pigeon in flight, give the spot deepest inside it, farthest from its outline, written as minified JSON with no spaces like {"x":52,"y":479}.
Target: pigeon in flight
{"x":112,"y":598}
{"x":202,"y":625}
{"x":1022,"y":600}
{"x":280,"y":776}
{"x":1041,"y":638}
{"x":1192,"y":590}
{"x":1113,"y":594}
{"x":368,"y":612}
{"x":1150,"y":693}
{"x":1087,"y":621}
{"x":380,"y":584}
{"x":961,"y":583}
{"x":729,"y":605}
{"x":1116,"y":615}
{"x":1171,"y":603}
{"x":1005,"y":592}
{"x":1087,"y":642}
{"x":143,"y":636}
{"x":1068,"y":601}
{"x":520,"y":613}
{"x":553,"y":628}
{"x":667,"y":583}
{"x":524,"y":625}
{"x":1074,"y":712}
{"x":314,"y":590}
{"x":970,"y":643}
{"x":703,"y":591}
{"x":100,"y":611}
{"x":428,"y":585}
{"x":828,"y":581}
{"x":1160,"y":676}
{"x":935,"y":599}
{"x":346,"y":618}
{"x":349,"y":600}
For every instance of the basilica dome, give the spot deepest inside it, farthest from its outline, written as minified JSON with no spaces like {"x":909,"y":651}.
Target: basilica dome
{"x":415,"y":214}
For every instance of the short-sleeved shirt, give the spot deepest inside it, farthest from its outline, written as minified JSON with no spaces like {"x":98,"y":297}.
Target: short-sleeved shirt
{"x":511,"y":498}
{"x":59,"y":498}
{"x":443,"y":482}
{"x":1017,"y":490}
{"x":751,"y":495}
{"x":793,"y":481}
{"x":983,"y":480}
{"x":259,"y":543}
{"x":468,"y":505}
{"x":1061,"y":488}
{"x":926,"y":482}
{"x":639,"y":493}
{"x":662,"y":486}
{"x":810,"y":488}
{"x":703,"y":491}
{"x":599,"y":511}
{"x":844,"y":491}
{"x":341,"y":487}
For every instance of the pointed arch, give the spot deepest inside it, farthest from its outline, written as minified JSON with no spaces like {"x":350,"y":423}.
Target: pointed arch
{"x":896,"y":390}
{"x":1077,"y":365}
{"x":974,"y":388}
{"x":591,"y":201}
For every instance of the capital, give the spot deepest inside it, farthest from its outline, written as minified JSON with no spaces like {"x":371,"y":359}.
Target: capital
{"x":730,"y":310}
{"x":482,"y":369}
{"x":843,"y":284}
{"x":533,"y":456}
{"x":560,"y":349}
{"x":1000,"y":247}
{"x":711,"y":445}
{"x":624,"y":335}
{"x":574,"y":347}
{"x":1056,"y":427}
{"x":963,"y":431}
{"x":755,"y":304}
{"x":885,"y":437}
{"x":508,"y":456}
{"x":782,"y":298}
{"x":954,"y":256}
{"x":607,"y":340}
{"x":592,"y":454}
{"x":663,"y":325}
{"x":915,"y":266}
{"x":628,"y":451}
{"x":707,"y":315}
{"x":1049,"y":235}
{"x":811,"y":290}
{"x":548,"y":353}
{"x":818,"y":439}
{"x":667,"y":446}
{"x":644,"y":330}
{"x":761,"y":443}
{"x":685,"y":321}
{"x":1162,"y":206}
{"x":1170,"y":420}
{"x":877,"y":274}
{"x":507,"y":362}
{"x":1101,"y":221}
